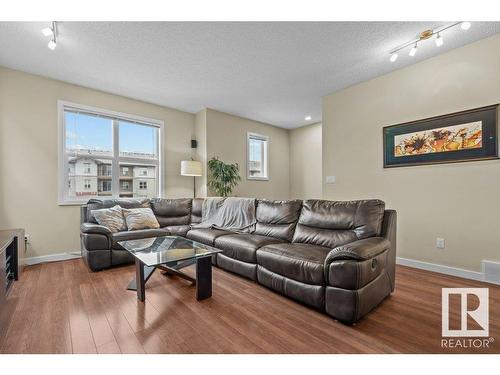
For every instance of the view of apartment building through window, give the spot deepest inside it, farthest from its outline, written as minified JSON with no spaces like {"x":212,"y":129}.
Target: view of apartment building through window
{"x":90,"y":156}
{"x":257,"y":157}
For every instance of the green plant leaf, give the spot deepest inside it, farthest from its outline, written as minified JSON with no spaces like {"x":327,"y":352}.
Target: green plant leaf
{"x":222,"y":177}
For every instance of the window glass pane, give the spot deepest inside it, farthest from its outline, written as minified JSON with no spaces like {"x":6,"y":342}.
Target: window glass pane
{"x":138,"y":141}
{"x":138,"y":181}
{"x":88,"y":178}
{"x":88,"y":134}
{"x":257,"y":157}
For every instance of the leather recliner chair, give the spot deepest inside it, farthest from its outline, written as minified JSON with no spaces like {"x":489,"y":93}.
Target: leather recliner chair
{"x":338,"y":257}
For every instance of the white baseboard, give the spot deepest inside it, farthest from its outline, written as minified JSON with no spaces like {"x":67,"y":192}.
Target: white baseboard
{"x":490,"y":277}
{"x":50,"y":258}
{"x":491,"y":271}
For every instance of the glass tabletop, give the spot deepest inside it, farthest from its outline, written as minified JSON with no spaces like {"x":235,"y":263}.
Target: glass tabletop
{"x":166,"y":249}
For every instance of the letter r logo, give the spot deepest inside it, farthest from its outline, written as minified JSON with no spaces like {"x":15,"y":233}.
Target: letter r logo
{"x":479,"y":314}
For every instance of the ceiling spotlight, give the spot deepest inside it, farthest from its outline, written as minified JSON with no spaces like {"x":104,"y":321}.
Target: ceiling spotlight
{"x":52,"y":44}
{"x":308,"y":118}
{"x":465,"y":25}
{"x":413,"y":50}
{"x":439,"y":40}
{"x":394,"y":57}
{"x":47,"y":31}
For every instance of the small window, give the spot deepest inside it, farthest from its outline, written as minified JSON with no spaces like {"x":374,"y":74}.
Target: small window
{"x":144,"y":172}
{"x":143,"y":185}
{"x":86,"y":184}
{"x":257,"y":159}
{"x":106,"y":186}
{"x":124,"y":171}
{"x":86,"y":167}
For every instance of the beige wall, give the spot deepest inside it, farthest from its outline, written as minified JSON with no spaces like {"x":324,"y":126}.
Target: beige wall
{"x":305,"y":162}
{"x":227,"y":139}
{"x":28,"y":155}
{"x":459,"y":202}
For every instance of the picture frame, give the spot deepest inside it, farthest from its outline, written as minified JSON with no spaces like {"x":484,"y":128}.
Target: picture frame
{"x":470,"y":135}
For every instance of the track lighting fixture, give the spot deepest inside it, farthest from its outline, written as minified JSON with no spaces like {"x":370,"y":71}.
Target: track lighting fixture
{"x":52,"y":32}
{"x":424,"y":35}
{"x":52,"y":44}
{"x":47,"y":31}
{"x":413,"y":50}
{"x":465,"y":25}
{"x":439,"y":40}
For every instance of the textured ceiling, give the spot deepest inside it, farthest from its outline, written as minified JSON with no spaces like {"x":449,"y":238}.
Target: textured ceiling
{"x":270,"y":72}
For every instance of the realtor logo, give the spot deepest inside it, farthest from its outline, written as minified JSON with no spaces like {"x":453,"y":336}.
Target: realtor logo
{"x":470,"y":313}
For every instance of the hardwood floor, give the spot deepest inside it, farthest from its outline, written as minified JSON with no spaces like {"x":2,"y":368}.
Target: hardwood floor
{"x":62,"y":307}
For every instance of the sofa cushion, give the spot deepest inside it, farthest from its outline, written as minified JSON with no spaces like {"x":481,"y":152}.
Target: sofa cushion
{"x":140,"y":218}
{"x":97,"y":204}
{"x":277,"y":218}
{"x":111,"y":218}
{"x":172,"y":211}
{"x":196,"y":210}
{"x":178,"y":230}
{"x":243,"y":246}
{"x":137,"y":235}
{"x":297,"y":261}
{"x":332,"y":224}
{"x":206,"y":236}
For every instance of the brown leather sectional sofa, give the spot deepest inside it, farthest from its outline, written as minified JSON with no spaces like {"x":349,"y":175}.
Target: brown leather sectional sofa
{"x":338,"y":257}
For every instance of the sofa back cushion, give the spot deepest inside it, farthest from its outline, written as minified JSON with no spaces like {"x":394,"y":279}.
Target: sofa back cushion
{"x":172,"y":211}
{"x":98,"y":204}
{"x":277,"y":218}
{"x":196,"y":210}
{"x":333,"y":223}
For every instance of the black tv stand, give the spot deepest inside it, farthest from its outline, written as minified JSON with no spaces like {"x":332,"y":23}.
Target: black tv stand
{"x":11,"y":247}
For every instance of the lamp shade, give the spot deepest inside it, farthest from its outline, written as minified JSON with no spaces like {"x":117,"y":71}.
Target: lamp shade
{"x":191,"y":168}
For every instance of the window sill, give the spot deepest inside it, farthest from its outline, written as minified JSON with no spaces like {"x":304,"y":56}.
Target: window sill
{"x":72,"y":203}
{"x":258,"y":178}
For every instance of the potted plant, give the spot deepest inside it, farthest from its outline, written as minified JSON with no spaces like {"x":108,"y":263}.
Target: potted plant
{"x":222,"y":177}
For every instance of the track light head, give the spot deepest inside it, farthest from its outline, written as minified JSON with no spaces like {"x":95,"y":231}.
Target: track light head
{"x":439,"y":40}
{"x":465,"y":25}
{"x":394,"y":57}
{"x":47,"y":31}
{"x":413,"y":50}
{"x":52,"y":44}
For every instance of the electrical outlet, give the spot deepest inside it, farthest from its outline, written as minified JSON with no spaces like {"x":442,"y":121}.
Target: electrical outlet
{"x":440,"y":243}
{"x":330,"y":179}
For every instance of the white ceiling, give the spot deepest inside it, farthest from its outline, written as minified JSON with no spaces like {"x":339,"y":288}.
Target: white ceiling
{"x":270,"y":72}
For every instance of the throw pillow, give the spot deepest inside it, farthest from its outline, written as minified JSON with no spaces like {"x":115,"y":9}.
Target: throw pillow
{"x":112,"y":218}
{"x":140,"y":218}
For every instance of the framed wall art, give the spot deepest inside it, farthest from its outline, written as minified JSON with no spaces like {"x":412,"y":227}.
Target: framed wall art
{"x":457,"y":137}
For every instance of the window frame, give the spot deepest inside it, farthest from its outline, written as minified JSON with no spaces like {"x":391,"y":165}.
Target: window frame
{"x":251,"y":135}
{"x":159,"y":163}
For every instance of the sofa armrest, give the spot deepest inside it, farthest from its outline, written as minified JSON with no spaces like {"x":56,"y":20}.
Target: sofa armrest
{"x":90,"y":228}
{"x":364,"y":249}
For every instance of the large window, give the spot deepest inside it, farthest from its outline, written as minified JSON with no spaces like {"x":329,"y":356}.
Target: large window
{"x":257,"y":158}
{"x":104,"y":153}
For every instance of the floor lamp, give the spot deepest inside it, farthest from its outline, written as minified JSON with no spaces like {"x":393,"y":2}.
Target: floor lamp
{"x":191,"y":168}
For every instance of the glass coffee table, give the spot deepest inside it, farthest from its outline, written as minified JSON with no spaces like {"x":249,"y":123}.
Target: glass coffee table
{"x":170,"y":254}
